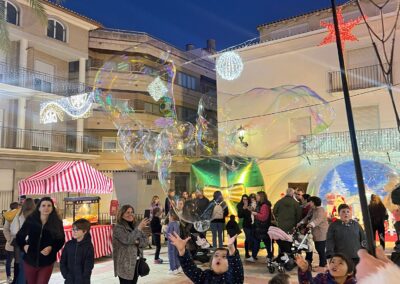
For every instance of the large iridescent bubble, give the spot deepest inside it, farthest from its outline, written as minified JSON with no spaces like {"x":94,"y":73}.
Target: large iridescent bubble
{"x":269,"y":123}
{"x":246,"y":132}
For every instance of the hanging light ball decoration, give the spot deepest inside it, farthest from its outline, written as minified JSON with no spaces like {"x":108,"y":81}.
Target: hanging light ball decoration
{"x":229,"y":65}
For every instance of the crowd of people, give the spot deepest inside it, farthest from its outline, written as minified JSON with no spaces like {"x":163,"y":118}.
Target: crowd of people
{"x":35,"y":234}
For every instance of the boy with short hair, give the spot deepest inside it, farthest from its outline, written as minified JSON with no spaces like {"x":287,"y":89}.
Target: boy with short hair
{"x":345,"y":235}
{"x":77,"y":259}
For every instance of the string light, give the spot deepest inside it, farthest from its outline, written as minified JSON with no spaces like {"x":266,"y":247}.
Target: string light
{"x":157,"y":89}
{"x":229,"y":65}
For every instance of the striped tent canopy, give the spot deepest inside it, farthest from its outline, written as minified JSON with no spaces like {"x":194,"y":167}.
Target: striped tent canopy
{"x":71,"y":176}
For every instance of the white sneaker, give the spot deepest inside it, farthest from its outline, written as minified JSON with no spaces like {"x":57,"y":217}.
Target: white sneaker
{"x":171,"y":272}
{"x":250,"y":259}
{"x":180,"y":270}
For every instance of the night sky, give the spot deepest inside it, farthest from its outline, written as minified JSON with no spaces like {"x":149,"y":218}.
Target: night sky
{"x":229,"y":22}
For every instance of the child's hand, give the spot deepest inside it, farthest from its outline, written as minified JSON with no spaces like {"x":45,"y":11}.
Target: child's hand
{"x":178,"y":242}
{"x":231,"y":245}
{"x":301,"y":263}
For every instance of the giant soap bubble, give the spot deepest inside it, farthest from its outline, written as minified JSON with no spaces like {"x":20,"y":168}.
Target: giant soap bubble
{"x":247,"y":132}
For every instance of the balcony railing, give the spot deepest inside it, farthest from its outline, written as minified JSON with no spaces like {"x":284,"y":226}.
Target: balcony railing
{"x":377,"y":140}
{"x":31,"y":79}
{"x":357,"y":78}
{"x":45,"y":140}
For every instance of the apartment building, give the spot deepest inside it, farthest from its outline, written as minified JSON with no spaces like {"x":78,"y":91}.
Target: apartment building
{"x":33,"y":71}
{"x":135,"y":60}
{"x":289,"y":53}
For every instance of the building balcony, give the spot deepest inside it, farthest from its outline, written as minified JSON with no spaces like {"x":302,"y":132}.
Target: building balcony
{"x":357,"y":78}
{"x":31,"y":79}
{"x":42,"y":140}
{"x":338,"y":143}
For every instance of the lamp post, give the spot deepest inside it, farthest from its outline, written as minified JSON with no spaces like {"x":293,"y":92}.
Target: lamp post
{"x":353,"y":138}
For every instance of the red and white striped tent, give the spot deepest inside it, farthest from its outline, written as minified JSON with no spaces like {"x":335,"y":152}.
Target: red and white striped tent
{"x":71,"y":176}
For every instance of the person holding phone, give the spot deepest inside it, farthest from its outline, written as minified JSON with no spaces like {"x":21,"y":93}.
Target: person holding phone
{"x":128,"y":240}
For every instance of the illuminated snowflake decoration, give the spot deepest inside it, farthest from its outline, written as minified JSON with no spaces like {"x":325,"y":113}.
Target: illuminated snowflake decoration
{"x":229,"y":66}
{"x":157,"y":89}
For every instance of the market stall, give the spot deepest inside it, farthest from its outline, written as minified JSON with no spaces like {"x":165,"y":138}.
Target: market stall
{"x":75,"y":177}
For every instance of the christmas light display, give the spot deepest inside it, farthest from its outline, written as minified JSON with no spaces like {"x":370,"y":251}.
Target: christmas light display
{"x":78,"y":106}
{"x":229,"y":65}
{"x":157,"y":89}
{"x":345,"y":29}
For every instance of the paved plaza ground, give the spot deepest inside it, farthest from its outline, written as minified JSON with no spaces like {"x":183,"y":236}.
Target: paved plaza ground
{"x":103,"y":272}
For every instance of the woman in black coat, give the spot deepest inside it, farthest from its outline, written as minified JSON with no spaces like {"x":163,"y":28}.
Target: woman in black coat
{"x":41,"y":237}
{"x":244,"y":212}
{"x":378,"y":215}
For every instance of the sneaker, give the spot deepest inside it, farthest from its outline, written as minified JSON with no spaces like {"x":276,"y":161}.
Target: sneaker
{"x":180,"y":270}
{"x":158,"y":261}
{"x":171,"y":272}
{"x":250,"y":259}
{"x":9,"y":279}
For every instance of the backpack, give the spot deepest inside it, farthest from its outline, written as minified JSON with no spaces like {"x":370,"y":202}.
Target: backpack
{"x":218,"y":212}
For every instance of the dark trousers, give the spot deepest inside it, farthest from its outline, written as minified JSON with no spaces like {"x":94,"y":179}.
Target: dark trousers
{"x":248,"y":242}
{"x":133,"y":281}
{"x":157,"y":243}
{"x":381,"y":233}
{"x":37,"y":275}
{"x":9,"y":258}
{"x":320,"y":247}
{"x":256,"y":246}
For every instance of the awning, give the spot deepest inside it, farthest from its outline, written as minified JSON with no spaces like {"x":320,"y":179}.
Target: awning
{"x":71,"y":176}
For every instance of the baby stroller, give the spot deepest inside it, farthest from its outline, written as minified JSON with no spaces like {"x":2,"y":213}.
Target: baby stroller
{"x":289,"y":246}
{"x":199,"y":248}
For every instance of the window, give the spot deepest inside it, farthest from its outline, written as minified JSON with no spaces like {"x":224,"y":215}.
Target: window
{"x":109,"y":144}
{"x":56,"y":30}
{"x":186,"y":81}
{"x":11,"y":12}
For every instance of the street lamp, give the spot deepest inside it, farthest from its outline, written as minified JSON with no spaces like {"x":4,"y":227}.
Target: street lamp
{"x":241,"y":132}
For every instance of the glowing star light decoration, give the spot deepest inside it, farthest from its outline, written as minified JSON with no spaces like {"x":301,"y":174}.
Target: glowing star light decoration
{"x":229,"y":65}
{"x":345,"y":29}
{"x":157,"y":89}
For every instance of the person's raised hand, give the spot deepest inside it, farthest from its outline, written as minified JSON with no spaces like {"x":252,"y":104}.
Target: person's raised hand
{"x":301,"y":263}
{"x":231,"y":244}
{"x":178,"y":242}
{"x":144,"y":223}
{"x":369,"y":264}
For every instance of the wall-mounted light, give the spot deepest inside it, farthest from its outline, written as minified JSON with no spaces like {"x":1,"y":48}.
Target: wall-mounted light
{"x":241,"y":133}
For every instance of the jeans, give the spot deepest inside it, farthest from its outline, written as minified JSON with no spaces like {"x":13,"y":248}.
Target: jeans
{"x":9,"y":258}
{"x":157,"y":243}
{"x":320,"y":247}
{"x":173,"y":257}
{"x":217,"y":228}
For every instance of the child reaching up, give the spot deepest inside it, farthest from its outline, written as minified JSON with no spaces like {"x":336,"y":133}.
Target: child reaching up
{"x":226,"y":266}
{"x":340,"y":270}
